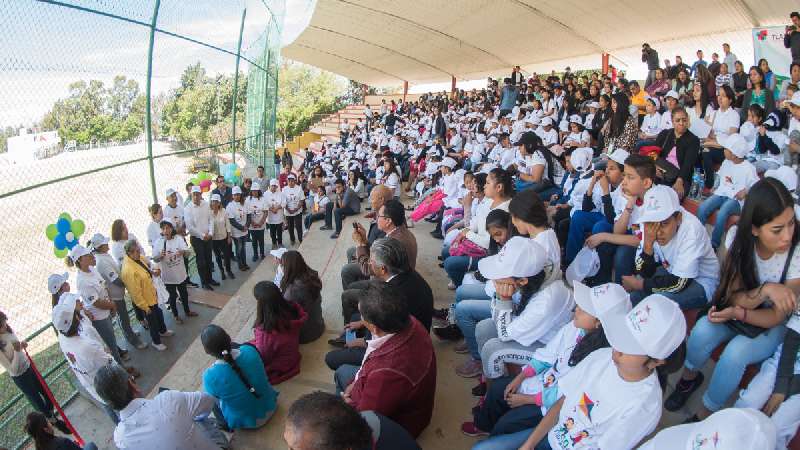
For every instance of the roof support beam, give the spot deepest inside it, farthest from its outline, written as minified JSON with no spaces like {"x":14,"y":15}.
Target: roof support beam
{"x":348,"y":60}
{"x":543,"y":15}
{"x":748,"y":11}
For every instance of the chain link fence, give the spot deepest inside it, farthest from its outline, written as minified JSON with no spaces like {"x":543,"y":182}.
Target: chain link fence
{"x":104,"y":104}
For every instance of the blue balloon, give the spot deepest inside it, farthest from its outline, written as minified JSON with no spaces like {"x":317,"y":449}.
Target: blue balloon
{"x":60,"y":242}
{"x":72,"y":243}
{"x":63,"y":226}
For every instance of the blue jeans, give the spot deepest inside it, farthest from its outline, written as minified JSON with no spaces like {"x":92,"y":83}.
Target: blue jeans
{"x":471,"y":292}
{"x":457,"y":266}
{"x":621,"y":258}
{"x":510,"y":441}
{"x":468,"y":314}
{"x":740,"y":352}
{"x":727,"y":207}
{"x":691,"y":297}
{"x":580,"y":224}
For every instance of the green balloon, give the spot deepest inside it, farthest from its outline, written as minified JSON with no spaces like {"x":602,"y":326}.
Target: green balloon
{"x":65,"y":215}
{"x":51,"y":232}
{"x":60,"y":253}
{"x":78,"y":227}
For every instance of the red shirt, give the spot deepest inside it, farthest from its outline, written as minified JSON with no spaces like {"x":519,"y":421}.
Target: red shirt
{"x":280,"y":350}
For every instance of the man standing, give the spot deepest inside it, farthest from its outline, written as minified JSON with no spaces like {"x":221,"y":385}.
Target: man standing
{"x":713,"y":67}
{"x":676,"y":68}
{"x":509,"y":97}
{"x":730,"y":57}
{"x":700,"y":62}
{"x":223,"y":191}
{"x":650,"y":56}
{"x":199,"y":224}
{"x":260,"y":178}
{"x":791,"y":39}
{"x":439,"y":125}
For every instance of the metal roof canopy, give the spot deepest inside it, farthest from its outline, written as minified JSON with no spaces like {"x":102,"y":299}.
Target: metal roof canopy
{"x":384,"y":43}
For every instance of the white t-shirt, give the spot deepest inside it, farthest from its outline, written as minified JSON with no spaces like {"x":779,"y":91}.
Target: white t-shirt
{"x":651,"y":125}
{"x":544,"y":314}
{"x":619,"y":201}
{"x":735,"y":177}
{"x":153,"y":233}
{"x":256,"y":207}
{"x":603,"y":411}
{"x":174,"y":214}
{"x":666,"y":121}
{"x":92,"y":288}
{"x":108,"y":268}
{"x":85,"y":354}
{"x":580,"y":138}
{"x":237,"y":212}
{"x":723,"y":121}
{"x":549,"y":241}
{"x":274,"y":199}
{"x":556,"y":353}
{"x":689,"y":254}
{"x":770,"y":270}
{"x":173,"y":271}
{"x":393,"y":182}
{"x":548,"y":137}
{"x":293,"y":197}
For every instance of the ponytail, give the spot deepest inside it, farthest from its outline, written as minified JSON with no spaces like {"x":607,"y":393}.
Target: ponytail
{"x":217,"y":343}
{"x":228,"y":358}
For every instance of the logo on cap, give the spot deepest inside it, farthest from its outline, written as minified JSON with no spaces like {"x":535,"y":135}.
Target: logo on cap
{"x":638,"y":317}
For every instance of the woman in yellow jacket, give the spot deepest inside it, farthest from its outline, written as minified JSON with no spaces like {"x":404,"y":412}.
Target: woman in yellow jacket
{"x":138,"y":279}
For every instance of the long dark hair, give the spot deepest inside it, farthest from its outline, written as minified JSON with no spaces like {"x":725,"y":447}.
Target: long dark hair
{"x":295,"y":268}
{"x":217,"y":343}
{"x":593,"y":340}
{"x":36,"y":427}
{"x":758,"y":70}
{"x":527,"y":292}
{"x":480,"y":181}
{"x":499,"y":218}
{"x":620,"y":117}
{"x":765,"y":201}
{"x":273,"y":311}
{"x":4,"y":319}
{"x":528,"y":207}
{"x":503,"y":177}
{"x":538,"y":146}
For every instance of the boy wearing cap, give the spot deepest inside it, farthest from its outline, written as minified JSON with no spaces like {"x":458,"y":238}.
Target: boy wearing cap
{"x":736,"y":176}
{"x":727,"y":429}
{"x":612,"y":399}
{"x":294,"y":196}
{"x":675,"y":258}
{"x":274,"y":202}
{"x":239,"y":220}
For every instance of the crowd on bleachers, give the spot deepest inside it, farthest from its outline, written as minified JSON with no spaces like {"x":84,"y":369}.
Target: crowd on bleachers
{"x":573,"y":213}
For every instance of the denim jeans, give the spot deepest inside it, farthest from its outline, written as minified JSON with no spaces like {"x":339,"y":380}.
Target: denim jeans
{"x":510,"y":441}
{"x":620,"y":258}
{"x":498,"y":417}
{"x":581,"y":224}
{"x":727,"y":207}
{"x":457,"y":266}
{"x":711,"y":156}
{"x":471,"y":292}
{"x":29,"y":384}
{"x":105,"y":328}
{"x":241,"y":250}
{"x":691,"y":297}
{"x":468,"y":314}
{"x":311,"y":218}
{"x":124,"y":320}
{"x":343,"y":376}
{"x":740,"y":352}
{"x":337,"y":215}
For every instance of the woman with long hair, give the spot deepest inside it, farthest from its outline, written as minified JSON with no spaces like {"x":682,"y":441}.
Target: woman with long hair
{"x":221,"y":236}
{"x":725,"y":121}
{"x":706,"y":80}
{"x":769,"y":77}
{"x":699,"y":107}
{"x":169,"y":251}
{"x":256,"y":207}
{"x":301,"y":284}
{"x":621,"y":129}
{"x":44,"y":438}
{"x":277,"y":332}
{"x":759,"y":284}
{"x":237,"y":379}
{"x":759,"y":93}
{"x":683,"y":85}
{"x":741,"y":81}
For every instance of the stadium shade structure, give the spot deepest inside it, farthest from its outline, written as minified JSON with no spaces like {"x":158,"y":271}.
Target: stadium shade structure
{"x":382,"y":43}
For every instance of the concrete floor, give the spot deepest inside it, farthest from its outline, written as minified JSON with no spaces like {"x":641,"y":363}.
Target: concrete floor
{"x":453,"y":399}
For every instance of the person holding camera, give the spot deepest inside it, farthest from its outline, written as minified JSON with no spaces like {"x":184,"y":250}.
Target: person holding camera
{"x":791,"y":39}
{"x":650,"y":56}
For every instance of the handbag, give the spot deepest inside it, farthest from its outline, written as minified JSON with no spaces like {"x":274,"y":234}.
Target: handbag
{"x":467,"y":248}
{"x":750,"y":330}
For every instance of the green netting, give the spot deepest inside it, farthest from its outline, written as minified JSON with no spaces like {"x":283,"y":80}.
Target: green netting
{"x":73,"y":130}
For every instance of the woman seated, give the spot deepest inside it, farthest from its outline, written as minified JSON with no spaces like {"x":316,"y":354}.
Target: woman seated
{"x":301,"y":284}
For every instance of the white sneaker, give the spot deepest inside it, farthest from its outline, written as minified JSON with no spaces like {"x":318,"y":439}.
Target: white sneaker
{"x":167,"y":333}
{"x":141,"y":346}
{"x":159,"y":347}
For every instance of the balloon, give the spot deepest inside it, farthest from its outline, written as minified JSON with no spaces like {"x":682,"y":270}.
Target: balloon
{"x":60,"y":253}
{"x":63,"y":225}
{"x":78,"y":227}
{"x":60,"y":242}
{"x":64,"y":234}
{"x":238,"y":172}
{"x":51,"y":232}
{"x":205,"y":185}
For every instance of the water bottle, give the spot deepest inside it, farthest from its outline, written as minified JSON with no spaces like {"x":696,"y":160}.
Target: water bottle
{"x":694,"y":190}
{"x":451,"y":314}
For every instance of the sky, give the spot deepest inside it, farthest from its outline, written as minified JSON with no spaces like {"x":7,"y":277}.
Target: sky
{"x":54,"y":46}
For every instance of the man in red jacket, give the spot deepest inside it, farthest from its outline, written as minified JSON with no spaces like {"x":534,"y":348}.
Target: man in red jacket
{"x":398,"y":375}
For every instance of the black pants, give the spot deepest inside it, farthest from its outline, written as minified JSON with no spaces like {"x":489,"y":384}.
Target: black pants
{"x":295,"y":226}
{"x":257,"y":237}
{"x":276,"y":234}
{"x":711,"y":156}
{"x":222,"y":251}
{"x":29,"y":384}
{"x":338,"y":214}
{"x":561,"y":220}
{"x":155,"y":320}
{"x":202,"y":251}
{"x":241,"y":250}
{"x":497,"y":417}
{"x":311,"y":218}
{"x":175,"y":291}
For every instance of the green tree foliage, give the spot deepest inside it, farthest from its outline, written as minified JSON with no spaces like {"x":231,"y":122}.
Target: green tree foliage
{"x":304,"y":91}
{"x":95,"y":113}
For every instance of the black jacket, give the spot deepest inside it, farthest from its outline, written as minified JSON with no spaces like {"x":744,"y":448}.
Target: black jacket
{"x":792,"y":41}
{"x":440,"y":127}
{"x":418,"y":295}
{"x":688,"y":150}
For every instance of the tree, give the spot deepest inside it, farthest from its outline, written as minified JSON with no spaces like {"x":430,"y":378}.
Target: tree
{"x":304,"y":91}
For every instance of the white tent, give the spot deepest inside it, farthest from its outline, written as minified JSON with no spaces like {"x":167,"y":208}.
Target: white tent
{"x":381,"y":43}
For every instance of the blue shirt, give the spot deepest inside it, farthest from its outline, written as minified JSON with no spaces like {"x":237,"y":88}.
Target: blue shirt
{"x":509,"y":97}
{"x":240,"y":407}
{"x":696,"y":63}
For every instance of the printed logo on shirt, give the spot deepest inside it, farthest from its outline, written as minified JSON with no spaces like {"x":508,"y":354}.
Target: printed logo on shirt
{"x":574,"y":432}
{"x":639,"y":317}
{"x":701,"y":442}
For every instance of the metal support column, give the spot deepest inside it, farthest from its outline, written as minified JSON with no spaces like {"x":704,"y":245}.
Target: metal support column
{"x":148,"y":121}
{"x":236,"y":82}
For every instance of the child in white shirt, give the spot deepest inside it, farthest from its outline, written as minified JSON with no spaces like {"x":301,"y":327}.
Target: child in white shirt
{"x":651,"y":125}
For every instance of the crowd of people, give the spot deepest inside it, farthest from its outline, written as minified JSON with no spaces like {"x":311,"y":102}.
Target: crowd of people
{"x":573,"y":215}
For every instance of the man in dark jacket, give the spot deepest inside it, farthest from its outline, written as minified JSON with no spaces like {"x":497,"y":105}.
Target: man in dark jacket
{"x":791,"y":39}
{"x":650,"y":56}
{"x":439,"y":125}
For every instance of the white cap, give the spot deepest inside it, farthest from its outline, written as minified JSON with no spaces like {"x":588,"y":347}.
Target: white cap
{"x":655,"y":328}
{"x":77,"y":252}
{"x":547,"y":121}
{"x":726,"y":429}
{"x":575,"y":118}
{"x":593,"y":105}
{"x":600,"y":300}
{"x":795,"y":100}
{"x":449,"y":162}
{"x":64,"y":312}
{"x":581,"y":158}
{"x":98,"y":240}
{"x":659,"y":203}
{"x":274,"y":182}
{"x":55,"y":281}
{"x":492,"y":138}
{"x":586,"y":264}
{"x":236,"y":190}
{"x":785,"y":175}
{"x":255,"y":187}
{"x":171,"y":191}
{"x":291,"y":176}
{"x":619,"y":155}
{"x":536,"y":120}
{"x":278,"y":253}
{"x":196,"y":189}
{"x":216,"y":198}
{"x":672,"y":94}
{"x":520,"y":257}
{"x":655,"y":101}
{"x":736,"y":144}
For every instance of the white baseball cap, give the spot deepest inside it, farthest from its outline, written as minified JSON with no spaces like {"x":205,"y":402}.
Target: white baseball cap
{"x":274,"y":182}
{"x":78,"y":251}
{"x":520,"y":257}
{"x":598,"y":301}
{"x":619,"y":156}
{"x":236,"y":190}
{"x":216,"y":198}
{"x":492,"y":138}
{"x":449,"y":162}
{"x":736,"y":144}
{"x":196,"y":189}
{"x":795,"y":100}
{"x":581,"y":158}
{"x":575,"y":118}
{"x":655,"y":328}
{"x":547,"y":121}
{"x":171,"y":191}
{"x":291,"y":176}
{"x":586,"y":264}
{"x":672,"y":94}
{"x":659,"y":203}
{"x":278,"y":253}
{"x":255,"y":187}
{"x":726,"y":429}
{"x":64,"y":312}
{"x":593,"y":105}
{"x":98,"y":240}
{"x":55,"y":281}
{"x":785,"y":175}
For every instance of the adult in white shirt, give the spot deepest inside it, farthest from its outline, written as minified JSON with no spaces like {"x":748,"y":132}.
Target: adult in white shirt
{"x":197,"y":216}
{"x":294,"y":197}
{"x":256,"y":208}
{"x":238,"y":218}
{"x":725,"y":121}
{"x":174,"y":210}
{"x":274,"y":203}
{"x":221,"y":237}
{"x":154,"y":227}
{"x":170,"y":420}
{"x":168,"y":251}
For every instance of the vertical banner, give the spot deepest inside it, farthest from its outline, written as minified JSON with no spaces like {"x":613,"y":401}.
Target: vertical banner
{"x":768,"y":44}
